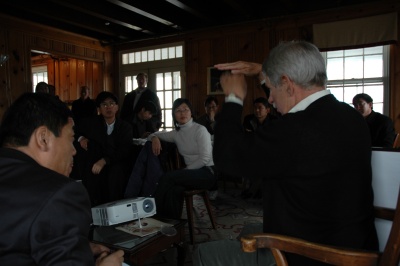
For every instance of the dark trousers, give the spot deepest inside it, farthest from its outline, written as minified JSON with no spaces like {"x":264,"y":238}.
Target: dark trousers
{"x":171,"y":186}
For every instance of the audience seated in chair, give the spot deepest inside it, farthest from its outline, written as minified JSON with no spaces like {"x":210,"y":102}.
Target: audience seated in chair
{"x":380,"y":126}
{"x":194,"y":144}
{"x":315,"y":162}
{"x":45,"y":215}
{"x":211,"y":110}
{"x":105,"y":146}
{"x":208,"y":120}
{"x":263,"y":113}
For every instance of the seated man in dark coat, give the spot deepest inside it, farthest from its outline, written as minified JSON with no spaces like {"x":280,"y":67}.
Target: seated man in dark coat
{"x":380,"y":126}
{"x":134,"y":99}
{"x":45,"y":215}
{"x":106,"y":144}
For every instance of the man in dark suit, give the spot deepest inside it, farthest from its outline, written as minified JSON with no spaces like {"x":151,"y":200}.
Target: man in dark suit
{"x":134,"y":100}
{"x":105,"y":146}
{"x":380,"y":126}
{"x":45,"y":215}
{"x":315,"y":161}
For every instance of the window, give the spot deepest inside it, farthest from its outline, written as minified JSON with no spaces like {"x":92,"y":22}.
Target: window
{"x":153,"y":55}
{"x":39,"y":74}
{"x":363,"y":70}
{"x":168,"y":87}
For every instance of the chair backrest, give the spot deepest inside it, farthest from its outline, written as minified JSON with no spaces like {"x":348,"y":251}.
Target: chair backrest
{"x":396,"y":143}
{"x":386,"y":185}
{"x":280,"y":244}
{"x":170,"y":157}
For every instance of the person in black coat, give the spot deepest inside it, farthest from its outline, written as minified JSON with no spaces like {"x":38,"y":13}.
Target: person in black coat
{"x":84,"y":106}
{"x":135,"y":99}
{"x":315,"y":161}
{"x":45,"y":215}
{"x":105,"y":146}
{"x":380,"y":126}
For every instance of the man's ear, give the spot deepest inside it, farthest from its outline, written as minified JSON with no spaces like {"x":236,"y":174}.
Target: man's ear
{"x":41,"y":137}
{"x":287,"y":85}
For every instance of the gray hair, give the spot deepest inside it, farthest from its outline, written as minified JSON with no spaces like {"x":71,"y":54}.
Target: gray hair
{"x":300,"y":61}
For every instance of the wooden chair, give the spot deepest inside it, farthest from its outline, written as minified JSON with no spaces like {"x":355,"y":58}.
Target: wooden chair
{"x":280,"y":244}
{"x":189,"y":209}
{"x":175,"y":161}
{"x":396,"y":143}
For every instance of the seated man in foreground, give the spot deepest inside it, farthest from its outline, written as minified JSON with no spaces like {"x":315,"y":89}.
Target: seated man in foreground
{"x":45,"y":215}
{"x":315,"y":161}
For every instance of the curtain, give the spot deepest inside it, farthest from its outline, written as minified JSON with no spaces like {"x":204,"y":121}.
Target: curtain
{"x":362,"y":32}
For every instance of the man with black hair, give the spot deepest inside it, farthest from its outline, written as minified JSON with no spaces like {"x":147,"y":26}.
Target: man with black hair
{"x":84,"y":106}
{"x":135,"y":99}
{"x":211,"y":110}
{"x":106,"y":144}
{"x":380,"y":126}
{"x":141,"y":122}
{"x":45,"y":215}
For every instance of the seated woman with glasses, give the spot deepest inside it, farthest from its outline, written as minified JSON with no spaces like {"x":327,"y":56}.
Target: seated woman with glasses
{"x":194,"y":145}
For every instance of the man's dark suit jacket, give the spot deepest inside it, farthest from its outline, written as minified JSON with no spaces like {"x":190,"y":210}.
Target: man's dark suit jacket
{"x":316,"y":170}
{"x":381,"y":129}
{"x":116,"y":149}
{"x":45,"y":216}
{"x":127,"y":112}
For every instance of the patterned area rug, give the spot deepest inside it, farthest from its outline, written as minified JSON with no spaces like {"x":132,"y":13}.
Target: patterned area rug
{"x":231,"y":213}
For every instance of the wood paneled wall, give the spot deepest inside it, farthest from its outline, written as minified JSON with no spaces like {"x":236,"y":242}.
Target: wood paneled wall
{"x":85,"y":61}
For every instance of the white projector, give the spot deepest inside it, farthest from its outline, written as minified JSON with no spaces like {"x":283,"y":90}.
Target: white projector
{"x":125,"y":210}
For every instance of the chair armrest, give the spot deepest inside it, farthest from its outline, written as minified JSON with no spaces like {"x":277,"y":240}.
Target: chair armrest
{"x":324,"y":253}
{"x":384,"y":213}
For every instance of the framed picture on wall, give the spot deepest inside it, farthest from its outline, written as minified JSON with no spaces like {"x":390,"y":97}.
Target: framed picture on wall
{"x":213,"y":85}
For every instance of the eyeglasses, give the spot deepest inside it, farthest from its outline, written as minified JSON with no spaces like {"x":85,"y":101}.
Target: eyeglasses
{"x":359,"y":104}
{"x":107,"y":104}
{"x":211,"y":107}
{"x":183,"y":111}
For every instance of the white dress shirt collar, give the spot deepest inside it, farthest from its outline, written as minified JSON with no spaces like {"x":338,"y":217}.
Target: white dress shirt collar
{"x":303,"y":104}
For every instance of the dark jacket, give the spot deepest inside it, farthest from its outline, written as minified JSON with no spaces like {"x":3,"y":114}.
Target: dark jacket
{"x":45,"y":216}
{"x":316,"y":170}
{"x":381,"y":129}
{"x":117,"y":151}
{"x":83,"y":108}
{"x":127,"y":112}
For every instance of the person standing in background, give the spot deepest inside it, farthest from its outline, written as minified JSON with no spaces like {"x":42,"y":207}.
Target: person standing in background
{"x":42,"y":87}
{"x":84,"y":106}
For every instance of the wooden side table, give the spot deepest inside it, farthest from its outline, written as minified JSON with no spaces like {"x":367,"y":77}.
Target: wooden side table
{"x":139,"y":249}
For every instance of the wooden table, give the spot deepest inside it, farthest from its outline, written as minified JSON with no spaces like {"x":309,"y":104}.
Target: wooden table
{"x":140,"y":249}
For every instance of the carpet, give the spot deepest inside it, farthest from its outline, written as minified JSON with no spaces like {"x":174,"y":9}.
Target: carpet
{"x":231,"y":213}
